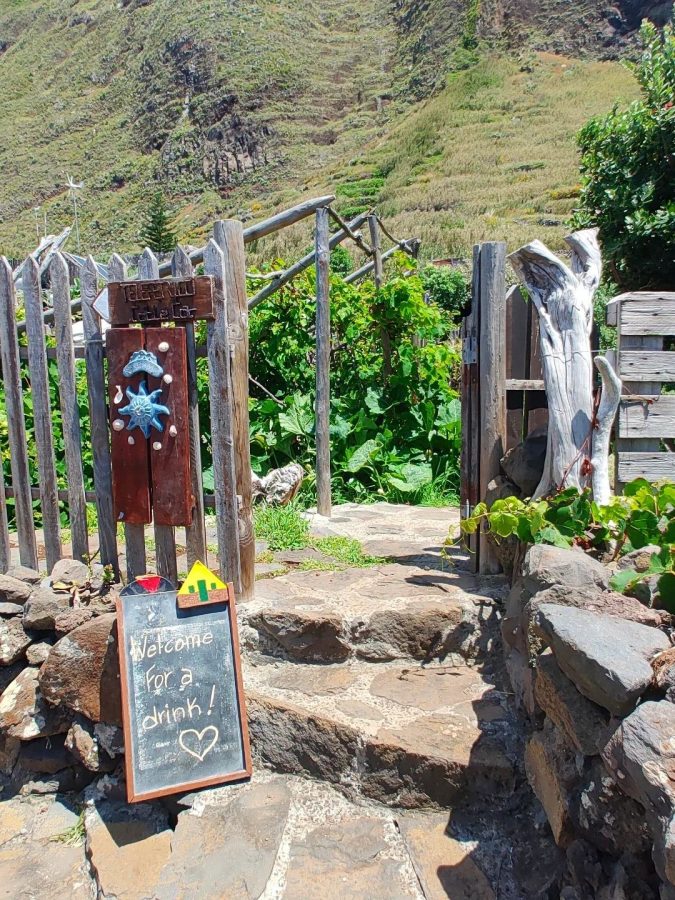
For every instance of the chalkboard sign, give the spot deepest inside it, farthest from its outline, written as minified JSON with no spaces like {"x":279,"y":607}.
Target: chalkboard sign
{"x":182,"y":698}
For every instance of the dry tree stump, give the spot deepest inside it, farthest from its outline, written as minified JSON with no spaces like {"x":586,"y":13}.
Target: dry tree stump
{"x":577,"y":451}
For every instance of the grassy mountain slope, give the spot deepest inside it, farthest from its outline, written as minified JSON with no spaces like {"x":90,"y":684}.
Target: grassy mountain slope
{"x":238,"y":108}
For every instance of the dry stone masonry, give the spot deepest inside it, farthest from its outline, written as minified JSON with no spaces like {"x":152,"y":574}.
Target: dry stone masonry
{"x":592,"y":671}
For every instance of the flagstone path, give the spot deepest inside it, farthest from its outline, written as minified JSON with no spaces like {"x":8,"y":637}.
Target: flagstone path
{"x":385,"y":743}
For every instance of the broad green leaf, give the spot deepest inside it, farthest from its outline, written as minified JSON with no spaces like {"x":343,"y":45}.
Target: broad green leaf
{"x":666,"y":586}
{"x":623,"y":579}
{"x":362,"y":455}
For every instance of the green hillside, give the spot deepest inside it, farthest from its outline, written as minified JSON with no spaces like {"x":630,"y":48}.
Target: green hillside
{"x":238,"y":108}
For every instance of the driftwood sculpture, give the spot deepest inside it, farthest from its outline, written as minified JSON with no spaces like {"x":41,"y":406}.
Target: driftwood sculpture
{"x":577,"y":452}
{"x":279,"y":486}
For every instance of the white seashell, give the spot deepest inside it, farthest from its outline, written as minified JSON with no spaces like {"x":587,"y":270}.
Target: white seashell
{"x":156,"y":446}
{"x":119,"y":396}
{"x":130,"y":440}
{"x":173,"y":431}
{"x":118,"y":424}
{"x":163,"y":347}
{"x":167,"y":379}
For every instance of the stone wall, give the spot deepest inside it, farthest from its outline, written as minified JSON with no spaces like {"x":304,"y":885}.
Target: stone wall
{"x":594,"y":673}
{"x":60,"y":712}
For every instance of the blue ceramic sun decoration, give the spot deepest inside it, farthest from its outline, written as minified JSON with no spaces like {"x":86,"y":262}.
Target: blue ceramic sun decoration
{"x":143,"y":409}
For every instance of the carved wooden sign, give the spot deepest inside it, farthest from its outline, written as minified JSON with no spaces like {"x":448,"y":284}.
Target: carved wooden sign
{"x":183,"y":703}
{"x":160,"y":300}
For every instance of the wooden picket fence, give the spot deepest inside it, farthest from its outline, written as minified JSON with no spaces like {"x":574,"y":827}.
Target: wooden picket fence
{"x":227,"y":359}
{"x":25,"y":379}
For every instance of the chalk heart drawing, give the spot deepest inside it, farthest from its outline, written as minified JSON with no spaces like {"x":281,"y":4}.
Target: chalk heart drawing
{"x":198,"y":743}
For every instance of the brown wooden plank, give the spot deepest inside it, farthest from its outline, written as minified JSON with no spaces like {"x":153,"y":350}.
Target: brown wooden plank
{"x":517,"y":324}
{"x":42,"y":418}
{"x":536,"y":411}
{"x":649,"y":313}
{"x":322,"y":403}
{"x":524,"y":384}
{"x":647,"y":417}
{"x":647,"y":365}
{"x":152,"y":301}
{"x":129,"y":449}
{"x":493,"y":379}
{"x":195,"y":533}
{"x":229,"y":236}
{"x":652,"y":466}
{"x":98,"y":417}
{"x":134,"y":535}
{"x":172,"y":500}
{"x":16,"y":425}
{"x":222,"y":442}
{"x":70,"y":413}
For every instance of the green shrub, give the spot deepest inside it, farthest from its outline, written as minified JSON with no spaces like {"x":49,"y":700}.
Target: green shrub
{"x":644,"y":515}
{"x":448,"y":288}
{"x":628,"y":169}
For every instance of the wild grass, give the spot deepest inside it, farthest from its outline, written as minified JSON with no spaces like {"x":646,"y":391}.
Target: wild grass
{"x":284,"y":528}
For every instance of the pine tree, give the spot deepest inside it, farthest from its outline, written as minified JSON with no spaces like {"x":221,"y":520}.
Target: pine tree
{"x":156,"y":232}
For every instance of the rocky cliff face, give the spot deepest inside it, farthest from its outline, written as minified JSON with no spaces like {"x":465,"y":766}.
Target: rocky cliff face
{"x":431,"y":32}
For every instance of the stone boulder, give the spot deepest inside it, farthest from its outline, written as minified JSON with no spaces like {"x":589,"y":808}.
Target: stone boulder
{"x":13,"y":641}
{"x":82,"y":671}
{"x":10,"y":610}
{"x":606,"y":816}
{"x":608,"y":659}
{"x":23,"y":573}
{"x":45,"y":756}
{"x":524,"y":463}
{"x":44,"y":606}
{"x":25,"y":715}
{"x":13,"y":590}
{"x":641,"y":757}
{"x":582,"y":722}
{"x":570,"y":573}
{"x":70,"y":571}
{"x":552,"y":774}
{"x":84,"y":745}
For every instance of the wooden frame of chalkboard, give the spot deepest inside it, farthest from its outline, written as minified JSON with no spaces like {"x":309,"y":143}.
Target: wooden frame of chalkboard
{"x":189,"y":744}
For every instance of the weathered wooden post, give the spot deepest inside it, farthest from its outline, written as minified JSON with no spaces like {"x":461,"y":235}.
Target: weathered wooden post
{"x":39,"y":385}
{"x":165,"y":538}
{"x":222,"y":440}
{"x":195,"y":533}
{"x":492,"y":364}
{"x":229,"y":235}
{"x":378,"y":273}
{"x":98,"y":416}
{"x":322,"y":404}
{"x":16,"y":424}
{"x":70,"y":414}
{"x":134,"y":535}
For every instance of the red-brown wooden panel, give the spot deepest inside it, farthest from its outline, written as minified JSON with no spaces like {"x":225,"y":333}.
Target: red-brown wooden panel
{"x":130,"y":465}
{"x":172,"y":499}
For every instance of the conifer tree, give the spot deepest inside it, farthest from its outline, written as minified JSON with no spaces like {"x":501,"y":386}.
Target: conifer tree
{"x":156,"y":232}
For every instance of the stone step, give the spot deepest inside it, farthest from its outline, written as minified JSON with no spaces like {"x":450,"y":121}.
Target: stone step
{"x":392,"y":611}
{"x":408,"y":737}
